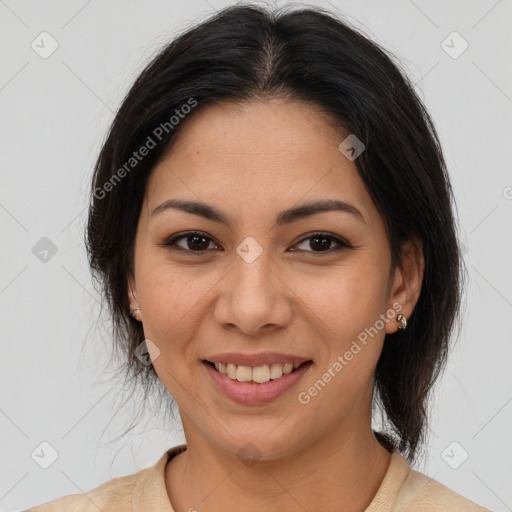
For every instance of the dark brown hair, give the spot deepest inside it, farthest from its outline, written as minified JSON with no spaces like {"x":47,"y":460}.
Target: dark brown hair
{"x":246,"y":53}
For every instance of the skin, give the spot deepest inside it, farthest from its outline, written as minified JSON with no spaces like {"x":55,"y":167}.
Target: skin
{"x":251,"y":161}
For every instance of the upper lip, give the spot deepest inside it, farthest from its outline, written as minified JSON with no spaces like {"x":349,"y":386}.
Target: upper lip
{"x":261,"y":359}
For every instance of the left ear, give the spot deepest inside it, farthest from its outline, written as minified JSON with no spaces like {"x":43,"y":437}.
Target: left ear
{"x":407,"y":279}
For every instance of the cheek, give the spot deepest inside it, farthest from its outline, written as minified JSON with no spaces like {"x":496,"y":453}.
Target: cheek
{"x":173,"y":307}
{"x":349,"y":298}
{"x":344,"y":308}
{"x":173,"y":301}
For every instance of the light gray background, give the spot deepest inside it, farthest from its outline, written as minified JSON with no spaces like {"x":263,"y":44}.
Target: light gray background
{"x":54,"y":114}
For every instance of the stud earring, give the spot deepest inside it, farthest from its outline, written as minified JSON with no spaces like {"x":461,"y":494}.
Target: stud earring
{"x":134,"y":311}
{"x":402,"y":320}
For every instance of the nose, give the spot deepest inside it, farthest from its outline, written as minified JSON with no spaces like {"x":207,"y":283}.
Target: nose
{"x":253,"y":297}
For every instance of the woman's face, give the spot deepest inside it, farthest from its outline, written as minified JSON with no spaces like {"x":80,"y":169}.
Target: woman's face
{"x":260,"y":288}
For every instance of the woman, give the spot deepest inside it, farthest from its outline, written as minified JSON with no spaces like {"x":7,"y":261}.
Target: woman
{"x":271,"y":221}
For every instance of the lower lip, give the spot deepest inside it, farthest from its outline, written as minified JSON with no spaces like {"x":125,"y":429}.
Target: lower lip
{"x":251,"y":393}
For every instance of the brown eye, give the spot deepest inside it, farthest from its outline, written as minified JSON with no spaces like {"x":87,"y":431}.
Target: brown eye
{"x":192,"y":242}
{"x":322,"y":242}
{"x":197,"y":242}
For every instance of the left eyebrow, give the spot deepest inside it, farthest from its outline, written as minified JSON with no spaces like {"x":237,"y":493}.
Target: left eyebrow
{"x":285,"y":217}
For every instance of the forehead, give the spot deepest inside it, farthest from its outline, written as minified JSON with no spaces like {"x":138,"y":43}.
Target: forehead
{"x":268,"y":129}
{"x":258,"y":154}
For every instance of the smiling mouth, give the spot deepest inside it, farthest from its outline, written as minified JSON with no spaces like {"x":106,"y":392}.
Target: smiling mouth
{"x":257,"y":374}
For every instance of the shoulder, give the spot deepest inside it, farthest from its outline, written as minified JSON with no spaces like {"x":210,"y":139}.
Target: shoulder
{"x":116,"y":495}
{"x":420,"y":493}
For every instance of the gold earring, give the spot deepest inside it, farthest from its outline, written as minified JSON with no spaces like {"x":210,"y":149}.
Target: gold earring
{"x":402,"y":320}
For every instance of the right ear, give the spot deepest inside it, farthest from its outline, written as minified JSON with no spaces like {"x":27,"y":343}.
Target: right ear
{"x":133,"y":299}
{"x":132,"y":292}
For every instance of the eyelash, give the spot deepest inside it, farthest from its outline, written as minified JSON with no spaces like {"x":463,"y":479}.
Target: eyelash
{"x":171,"y":242}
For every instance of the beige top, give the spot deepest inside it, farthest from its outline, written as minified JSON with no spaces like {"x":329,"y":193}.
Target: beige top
{"x":402,"y":489}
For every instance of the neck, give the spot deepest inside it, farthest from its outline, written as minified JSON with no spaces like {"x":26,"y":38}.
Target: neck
{"x":345,"y":468}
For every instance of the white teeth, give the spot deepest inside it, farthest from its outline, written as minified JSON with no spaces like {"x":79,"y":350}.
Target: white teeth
{"x":259,"y":374}
{"x":231,"y":371}
{"x":288,"y":368}
{"x":243,"y":374}
{"x":276,"y":371}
